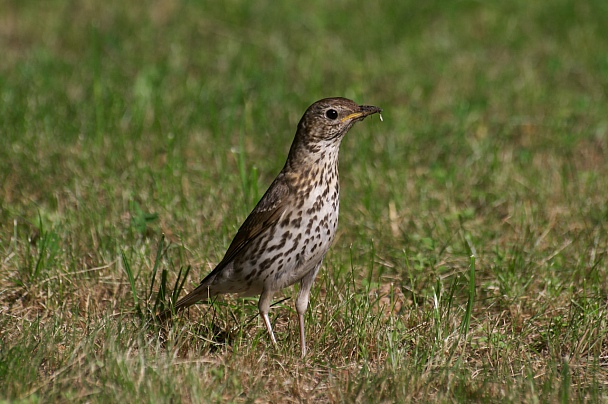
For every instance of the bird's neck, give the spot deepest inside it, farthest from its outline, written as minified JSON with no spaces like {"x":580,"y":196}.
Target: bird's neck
{"x":315,"y":156}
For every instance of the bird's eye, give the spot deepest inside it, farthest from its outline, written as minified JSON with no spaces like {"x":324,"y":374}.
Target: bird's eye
{"x":331,"y":114}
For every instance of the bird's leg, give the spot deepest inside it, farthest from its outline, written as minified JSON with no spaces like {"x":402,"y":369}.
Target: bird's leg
{"x":263,"y":307}
{"x":302,"y":302}
{"x":302,"y":334}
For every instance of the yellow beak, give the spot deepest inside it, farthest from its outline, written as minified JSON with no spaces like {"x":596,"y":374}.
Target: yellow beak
{"x":352,"y":116}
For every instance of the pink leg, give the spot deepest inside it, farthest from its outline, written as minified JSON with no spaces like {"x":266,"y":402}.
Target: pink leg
{"x":264,"y":307}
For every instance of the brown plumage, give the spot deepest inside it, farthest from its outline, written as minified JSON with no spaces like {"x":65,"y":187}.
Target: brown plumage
{"x":288,"y":233}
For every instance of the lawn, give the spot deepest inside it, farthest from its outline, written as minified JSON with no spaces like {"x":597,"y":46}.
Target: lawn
{"x":471,"y":262}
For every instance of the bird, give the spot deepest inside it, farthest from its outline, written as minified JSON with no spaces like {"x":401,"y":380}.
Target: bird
{"x":284,"y":239}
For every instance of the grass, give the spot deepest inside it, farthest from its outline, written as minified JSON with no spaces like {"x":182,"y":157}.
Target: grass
{"x":471,"y":261}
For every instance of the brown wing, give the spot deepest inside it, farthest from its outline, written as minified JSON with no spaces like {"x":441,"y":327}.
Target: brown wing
{"x":266,"y":213}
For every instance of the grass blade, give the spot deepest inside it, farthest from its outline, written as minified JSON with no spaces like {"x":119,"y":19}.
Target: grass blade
{"x":131,"y":278}
{"x":466,"y":321}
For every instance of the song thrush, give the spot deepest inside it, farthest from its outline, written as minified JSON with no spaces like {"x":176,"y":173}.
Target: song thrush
{"x":286,"y":236}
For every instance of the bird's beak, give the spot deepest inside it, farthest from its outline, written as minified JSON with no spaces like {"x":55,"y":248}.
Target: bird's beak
{"x":365,"y":110}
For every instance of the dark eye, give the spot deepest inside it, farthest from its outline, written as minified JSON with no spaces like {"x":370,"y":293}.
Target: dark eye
{"x":331,"y":114}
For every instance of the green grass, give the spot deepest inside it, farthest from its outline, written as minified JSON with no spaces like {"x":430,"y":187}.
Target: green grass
{"x":471,"y":261}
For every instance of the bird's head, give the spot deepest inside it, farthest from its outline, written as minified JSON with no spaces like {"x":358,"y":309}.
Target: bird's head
{"x":328,"y":120}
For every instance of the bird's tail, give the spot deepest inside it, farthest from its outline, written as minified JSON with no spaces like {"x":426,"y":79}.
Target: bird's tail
{"x":201,"y":293}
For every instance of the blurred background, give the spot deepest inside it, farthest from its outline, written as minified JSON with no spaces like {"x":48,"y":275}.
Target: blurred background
{"x":152,"y":101}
